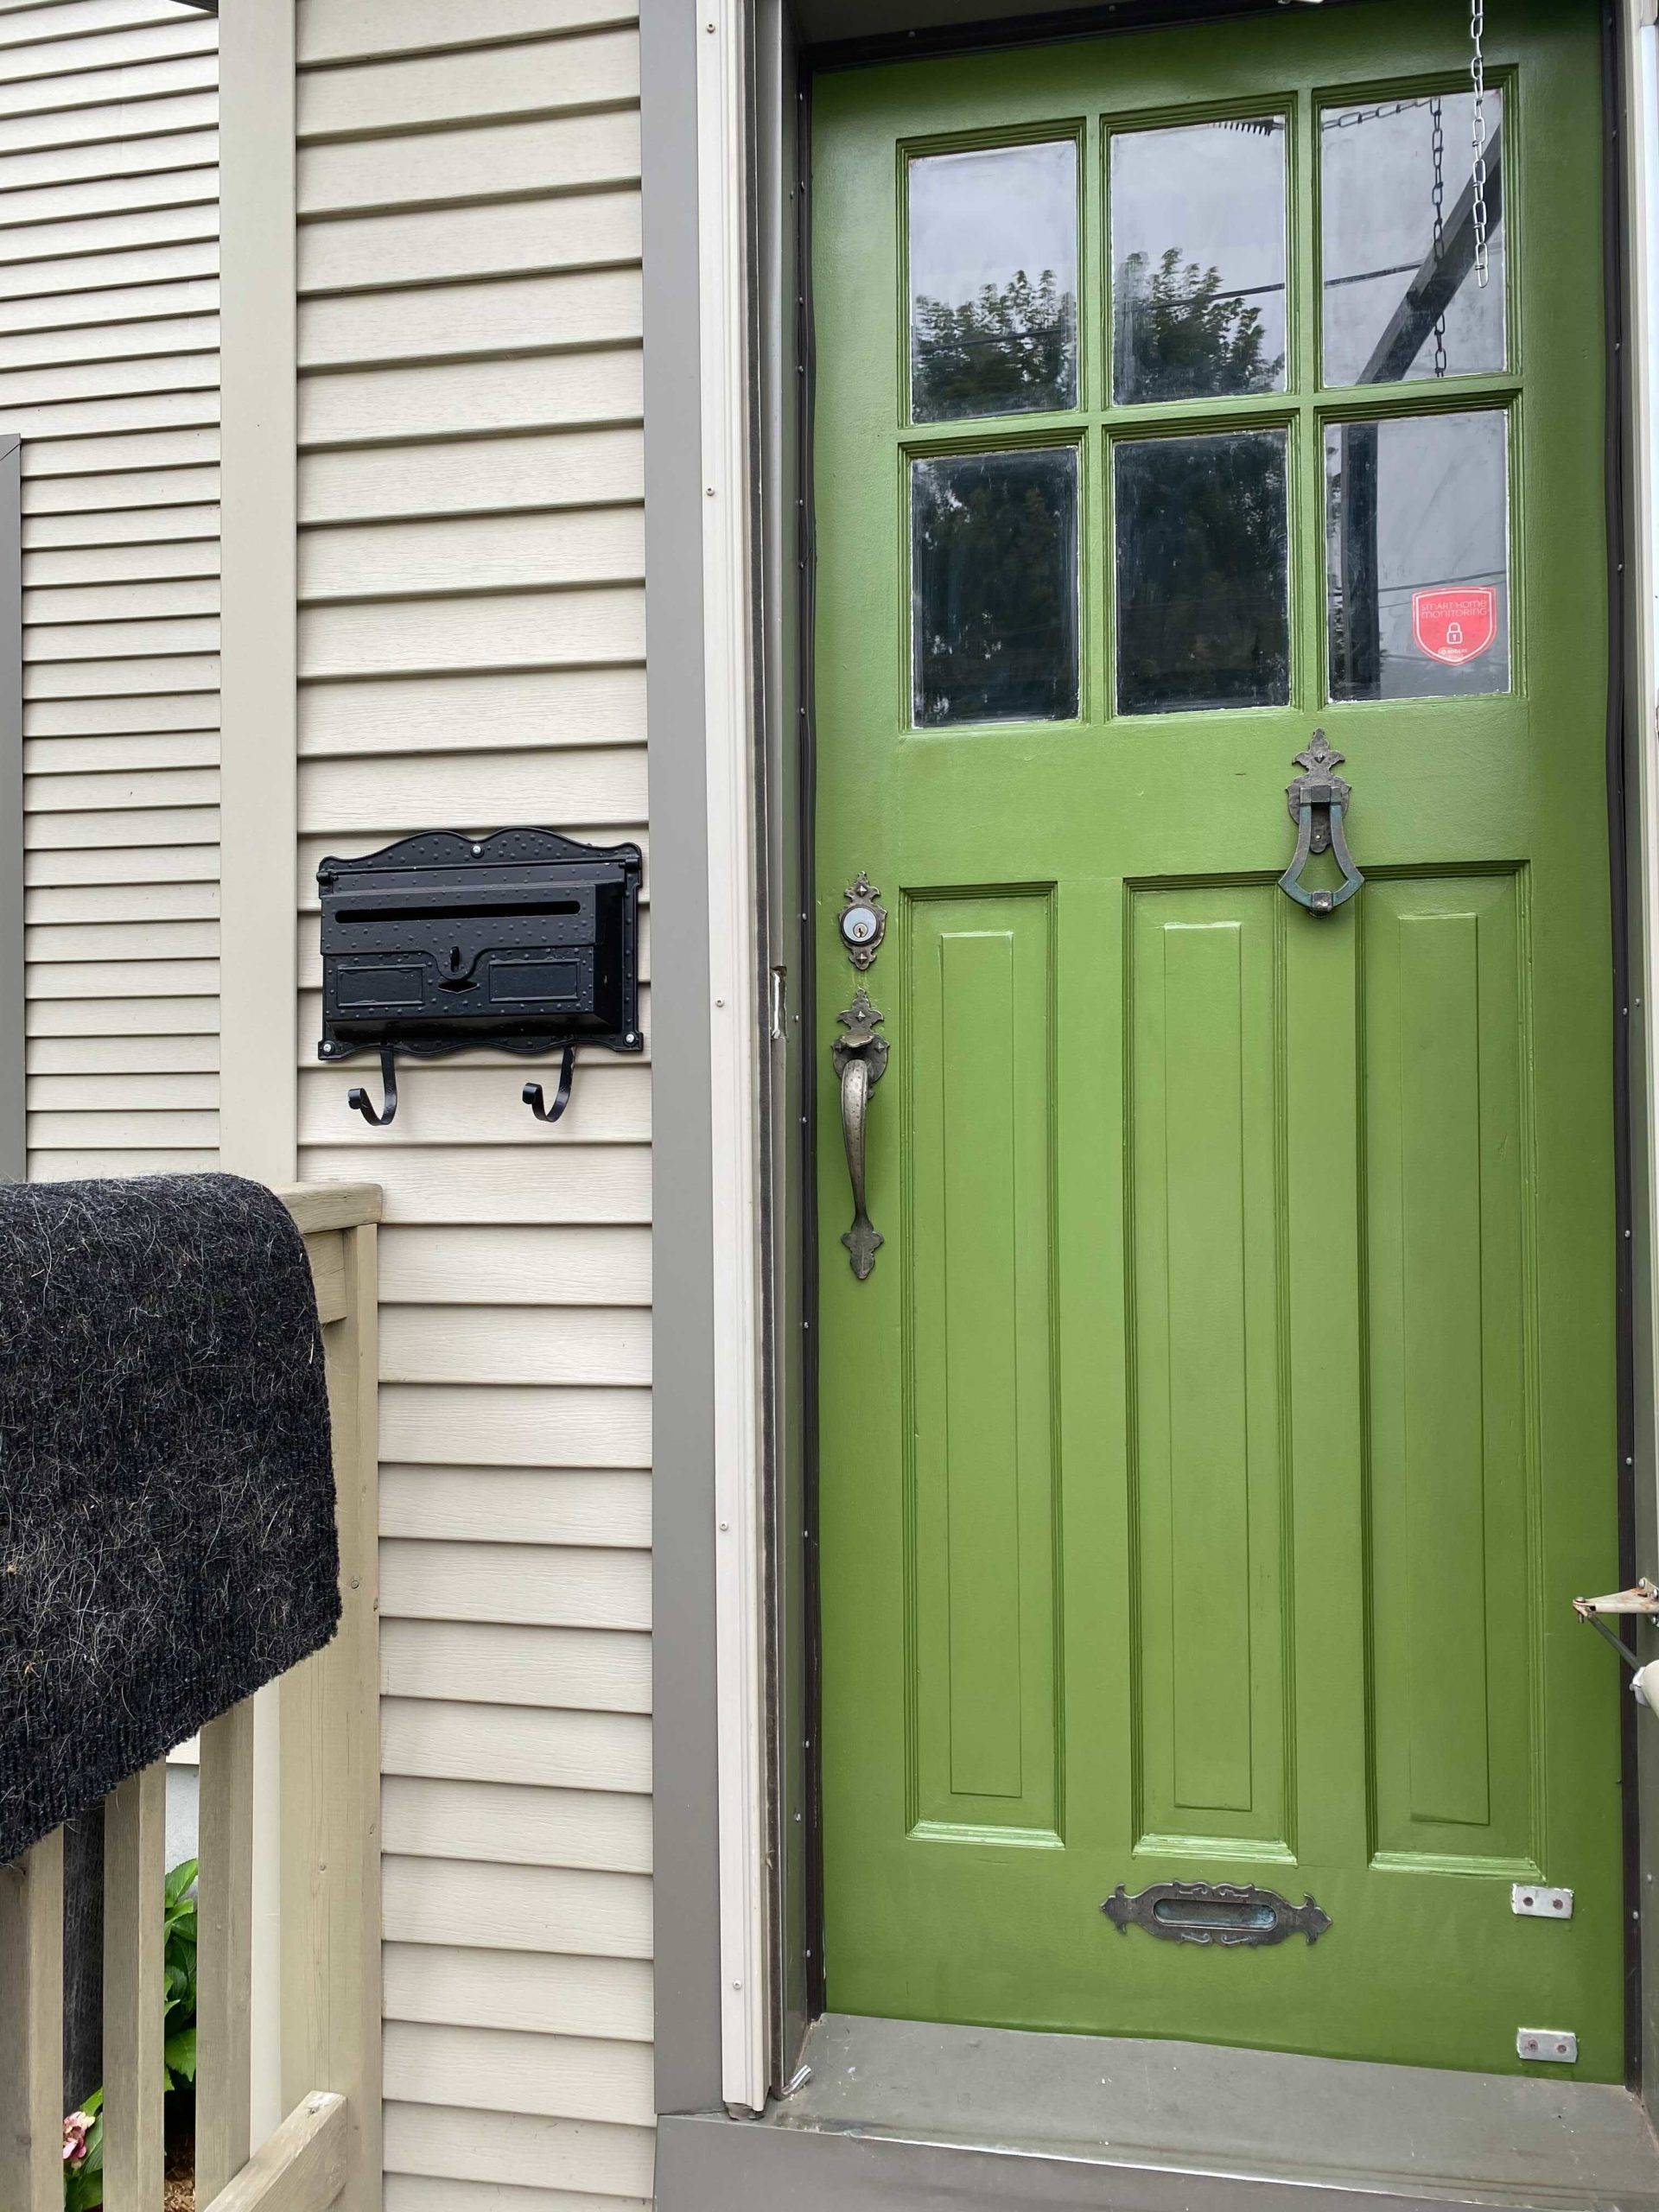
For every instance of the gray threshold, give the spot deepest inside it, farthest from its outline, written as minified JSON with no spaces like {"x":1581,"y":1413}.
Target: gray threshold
{"x":907,"y":2114}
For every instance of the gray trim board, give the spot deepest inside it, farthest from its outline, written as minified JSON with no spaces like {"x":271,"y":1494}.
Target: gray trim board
{"x":839,"y":33}
{"x":1635,"y":243}
{"x":14,"y":1157}
{"x":687,"y":2059}
{"x":686,"y":1807}
{"x":908,"y":2113}
{"x":717,"y":2164}
{"x":1619,"y":394}
{"x":783,"y":768}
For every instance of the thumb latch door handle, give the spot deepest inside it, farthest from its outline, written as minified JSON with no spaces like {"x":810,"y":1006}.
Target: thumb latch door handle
{"x":1317,"y":801}
{"x":859,"y":1059}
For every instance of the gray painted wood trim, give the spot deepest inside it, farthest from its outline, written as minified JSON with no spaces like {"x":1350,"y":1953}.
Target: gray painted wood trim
{"x":903,"y":2112}
{"x":709,"y":2164}
{"x":790,"y":1255}
{"x":13,"y":1158}
{"x":842,"y":31}
{"x":685,"y":1785}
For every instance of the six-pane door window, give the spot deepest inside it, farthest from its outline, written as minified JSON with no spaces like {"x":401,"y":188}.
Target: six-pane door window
{"x":1221,"y":427}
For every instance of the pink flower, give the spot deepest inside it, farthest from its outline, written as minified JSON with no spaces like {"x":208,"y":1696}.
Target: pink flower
{"x":75,"y":2130}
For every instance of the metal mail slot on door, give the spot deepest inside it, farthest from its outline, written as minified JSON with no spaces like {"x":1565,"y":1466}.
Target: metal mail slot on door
{"x":524,"y":940}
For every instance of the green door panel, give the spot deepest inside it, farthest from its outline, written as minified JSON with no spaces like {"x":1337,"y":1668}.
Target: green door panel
{"x":983,"y":1504}
{"x":1209,"y":1505}
{"x":1209,"y":1462}
{"x":1454,"y":1773}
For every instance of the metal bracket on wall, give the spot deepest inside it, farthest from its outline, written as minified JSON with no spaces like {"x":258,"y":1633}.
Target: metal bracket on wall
{"x":1537,"y":1900}
{"x":1547,"y":2046}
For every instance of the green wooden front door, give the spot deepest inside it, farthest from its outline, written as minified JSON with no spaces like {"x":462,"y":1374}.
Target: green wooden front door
{"x":1210,"y":1457}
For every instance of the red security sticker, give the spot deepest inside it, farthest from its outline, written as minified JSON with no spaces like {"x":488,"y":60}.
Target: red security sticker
{"x":1455,"y":626}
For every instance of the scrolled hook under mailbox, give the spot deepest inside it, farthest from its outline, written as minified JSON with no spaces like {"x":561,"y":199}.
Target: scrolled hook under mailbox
{"x":1318,"y":800}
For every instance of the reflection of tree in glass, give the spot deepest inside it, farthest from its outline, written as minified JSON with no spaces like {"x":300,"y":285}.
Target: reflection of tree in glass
{"x":1201,"y":573}
{"x":1012,"y":346}
{"x":994,"y":582}
{"x":1179,"y":336}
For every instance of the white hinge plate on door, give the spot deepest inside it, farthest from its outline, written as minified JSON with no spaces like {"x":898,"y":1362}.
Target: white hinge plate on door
{"x":1536,"y":1901}
{"x":1547,"y":2046}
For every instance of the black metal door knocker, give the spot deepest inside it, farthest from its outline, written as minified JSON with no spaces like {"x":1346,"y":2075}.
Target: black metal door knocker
{"x":1317,"y":801}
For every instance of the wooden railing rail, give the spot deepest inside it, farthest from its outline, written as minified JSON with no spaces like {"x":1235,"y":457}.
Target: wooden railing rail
{"x":326,"y":2152}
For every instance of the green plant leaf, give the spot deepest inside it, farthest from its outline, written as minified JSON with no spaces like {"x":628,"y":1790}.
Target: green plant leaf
{"x":83,"y":2185}
{"x":181,"y":1882}
{"x":83,"y":2190}
{"x":180,"y":1954}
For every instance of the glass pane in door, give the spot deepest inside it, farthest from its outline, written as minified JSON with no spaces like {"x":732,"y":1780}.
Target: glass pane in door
{"x":1201,"y":548}
{"x":993,"y":280}
{"x":1197,"y":223}
{"x":1416,"y":527}
{"x":1398,"y":222}
{"x":993,"y":586}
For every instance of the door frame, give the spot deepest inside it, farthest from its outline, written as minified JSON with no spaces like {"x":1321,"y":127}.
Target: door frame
{"x":726,"y":92}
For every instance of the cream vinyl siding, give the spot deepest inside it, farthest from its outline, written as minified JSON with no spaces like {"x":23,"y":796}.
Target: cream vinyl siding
{"x":109,"y":371}
{"x":471,"y":656}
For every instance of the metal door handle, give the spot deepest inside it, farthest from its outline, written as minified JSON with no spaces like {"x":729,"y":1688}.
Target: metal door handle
{"x":859,"y":1059}
{"x":1317,"y":801}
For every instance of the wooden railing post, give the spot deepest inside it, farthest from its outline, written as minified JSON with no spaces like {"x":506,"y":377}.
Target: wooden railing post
{"x":224,"y":1951}
{"x":134,"y":1851}
{"x":331,"y":1729}
{"x":31,"y":2030}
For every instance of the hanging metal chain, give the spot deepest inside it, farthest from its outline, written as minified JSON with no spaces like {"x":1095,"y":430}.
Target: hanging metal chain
{"x":1478,"y":78}
{"x":1350,"y":118}
{"x":1437,"y":146}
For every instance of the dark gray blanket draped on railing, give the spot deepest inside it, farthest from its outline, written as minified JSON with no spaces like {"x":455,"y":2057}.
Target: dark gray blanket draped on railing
{"x":166,"y":1497}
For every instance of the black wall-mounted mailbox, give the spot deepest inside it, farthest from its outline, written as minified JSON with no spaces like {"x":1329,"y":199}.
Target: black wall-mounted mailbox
{"x":522,"y":940}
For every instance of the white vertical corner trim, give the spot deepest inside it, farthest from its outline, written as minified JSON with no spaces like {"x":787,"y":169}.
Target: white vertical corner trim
{"x":258,"y":770}
{"x":258,"y":1096}
{"x":728,"y":710}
